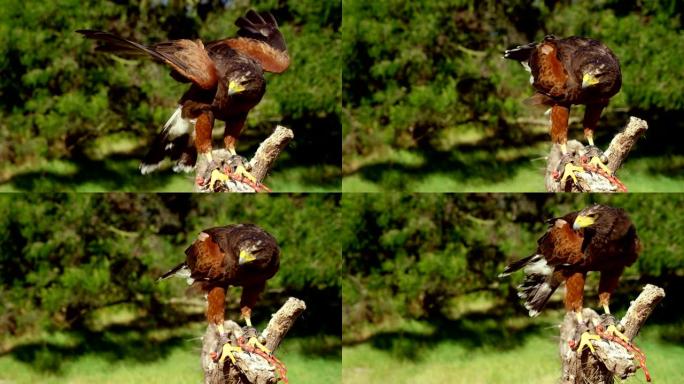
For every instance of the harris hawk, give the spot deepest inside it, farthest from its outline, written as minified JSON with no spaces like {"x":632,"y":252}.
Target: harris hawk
{"x":227,"y":81}
{"x":235,"y":255}
{"x":574,"y":70}
{"x":598,"y":238}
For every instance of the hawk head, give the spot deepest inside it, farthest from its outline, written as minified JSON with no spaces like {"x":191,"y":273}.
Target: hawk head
{"x":258,"y":253}
{"x":592,"y":74}
{"x":245,"y":85}
{"x":599,"y":219}
{"x":589,"y":217}
{"x":600,"y":74}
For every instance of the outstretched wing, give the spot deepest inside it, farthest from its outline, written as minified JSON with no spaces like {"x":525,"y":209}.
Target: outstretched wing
{"x":260,"y":39}
{"x":188,"y":58}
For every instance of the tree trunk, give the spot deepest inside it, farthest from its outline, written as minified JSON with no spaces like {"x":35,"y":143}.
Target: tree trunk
{"x":250,"y":368}
{"x":262,"y":162}
{"x":611,"y":358}
{"x":615,"y":155}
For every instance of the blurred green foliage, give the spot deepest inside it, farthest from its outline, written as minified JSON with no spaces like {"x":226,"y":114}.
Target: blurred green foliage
{"x":62,"y":101}
{"x":426,"y":93}
{"x":64,"y":257}
{"x":423,"y":256}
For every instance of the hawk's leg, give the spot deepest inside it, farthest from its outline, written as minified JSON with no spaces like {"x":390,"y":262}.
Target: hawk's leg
{"x":250,"y":295}
{"x":253,"y":340}
{"x":586,"y":337}
{"x":574,"y":300}
{"x":216,"y":298}
{"x":233,"y":128}
{"x":559,"y":135}
{"x":203,"y":129}
{"x":607,"y":284}
{"x":228,"y":349}
{"x":592,"y":115}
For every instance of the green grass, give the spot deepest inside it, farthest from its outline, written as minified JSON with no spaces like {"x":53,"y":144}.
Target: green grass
{"x":534,"y":360}
{"x":506,"y":172}
{"x":122,"y":174}
{"x":155,"y":358}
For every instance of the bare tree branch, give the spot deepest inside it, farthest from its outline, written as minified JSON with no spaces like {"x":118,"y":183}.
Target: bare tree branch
{"x":611,"y":359}
{"x":262,"y":162}
{"x":250,"y":368}
{"x":616,"y":154}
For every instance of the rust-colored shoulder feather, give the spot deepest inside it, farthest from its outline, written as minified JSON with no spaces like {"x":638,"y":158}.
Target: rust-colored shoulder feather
{"x":259,"y":39}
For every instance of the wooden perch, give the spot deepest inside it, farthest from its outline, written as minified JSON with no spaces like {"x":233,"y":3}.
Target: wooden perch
{"x":616,"y":154}
{"x":250,"y":368}
{"x":611,"y":359}
{"x":262,"y":162}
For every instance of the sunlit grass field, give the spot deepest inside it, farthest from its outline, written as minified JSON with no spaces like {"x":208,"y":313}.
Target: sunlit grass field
{"x":111,"y":164}
{"x":635,"y":175}
{"x":464,"y":160}
{"x":534,"y":360}
{"x":156,"y":358}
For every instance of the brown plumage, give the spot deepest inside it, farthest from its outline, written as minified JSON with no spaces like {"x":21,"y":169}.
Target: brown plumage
{"x":574,"y":70}
{"x":598,"y":238}
{"x":227,"y":82}
{"x":236,"y":255}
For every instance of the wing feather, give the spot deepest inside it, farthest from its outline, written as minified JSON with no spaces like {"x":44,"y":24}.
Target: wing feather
{"x":260,"y":39}
{"x":188,"y":58}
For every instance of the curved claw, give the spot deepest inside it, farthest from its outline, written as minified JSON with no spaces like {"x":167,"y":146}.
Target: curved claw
{"x":254,"y":343}
{"x":585,"y":340}
{"x":216,"y":175}
{"x":570,"y":170}
{"x":614,"y":331}
{"x":241,"y":171}
{"x":227,"y":352}
{"x":596,"y":162}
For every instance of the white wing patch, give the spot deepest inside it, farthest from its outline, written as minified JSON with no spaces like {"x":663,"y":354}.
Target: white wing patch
{"x":177,"y":125}
{"x":538,"y":267}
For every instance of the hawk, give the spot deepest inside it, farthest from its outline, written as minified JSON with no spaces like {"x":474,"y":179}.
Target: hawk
{"x":227,"y":81}
{"x":235,"y":255}
{"x":598,"y":238}
{"x":574,"y":70}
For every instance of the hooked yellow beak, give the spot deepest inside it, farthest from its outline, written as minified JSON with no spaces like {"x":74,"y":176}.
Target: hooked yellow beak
{"x":234,"y":87}
{"x":588,"y":80}
{"x":245,"y":257}
{"x":582,"y":221}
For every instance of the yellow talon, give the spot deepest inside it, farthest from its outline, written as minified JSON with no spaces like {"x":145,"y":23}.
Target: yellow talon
{"x":227,"y":351}
{"x":254,"y":343}
{"x":216,"y":175}
{"x":596,"y":162}
{"x":240,"y":170}
{"x":570,"y":170}
{"x":585,"y":340}
{"x":612,"y":329}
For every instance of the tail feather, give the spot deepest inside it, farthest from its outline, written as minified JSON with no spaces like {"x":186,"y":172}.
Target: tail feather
{"x":180,"y":270}
{"x":173,"y":141}
{"x":520,"y":53}
{"x":516,"y":265}
{"x":539,"y":284}
{"x":119,"y":45}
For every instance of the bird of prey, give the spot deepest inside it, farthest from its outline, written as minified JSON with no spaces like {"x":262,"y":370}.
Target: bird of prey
{"x":574,"y":70}
{"x":235,"y":255}
{"x":598,"y":238}
{"x":227,"y":81}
